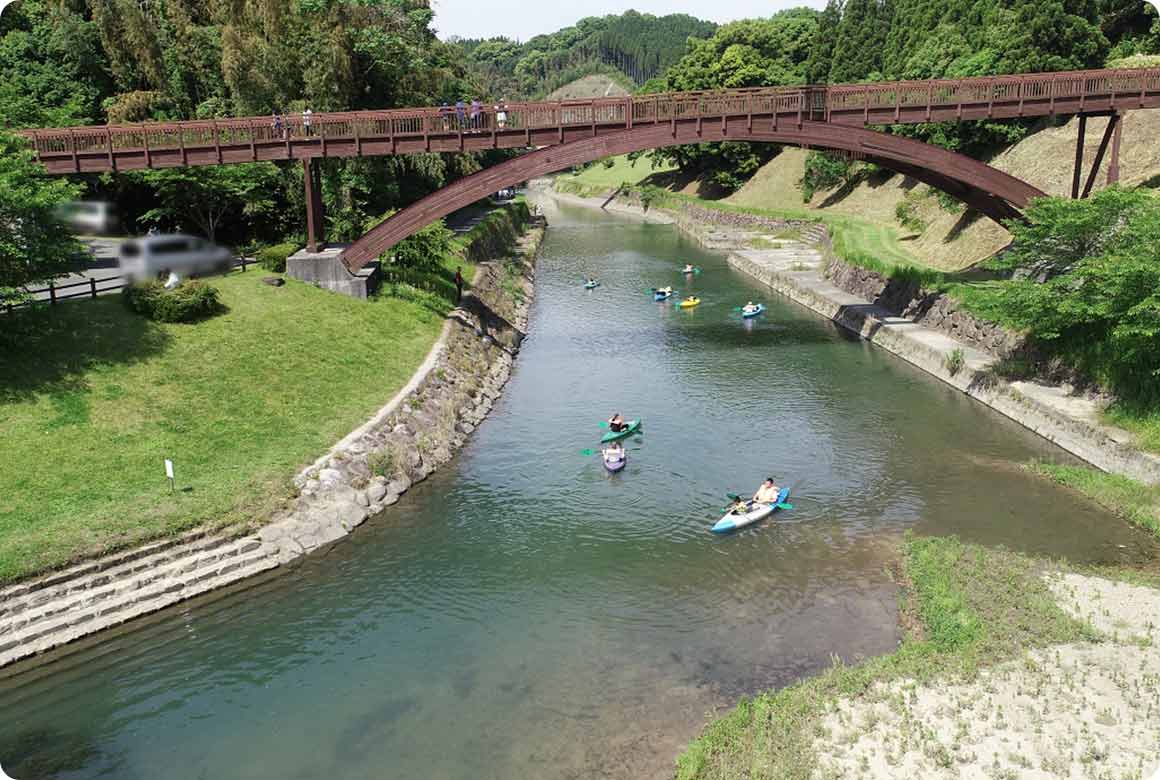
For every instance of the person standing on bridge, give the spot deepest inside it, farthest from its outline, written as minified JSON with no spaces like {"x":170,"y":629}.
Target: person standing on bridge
{"x":276,"y":125}
{"x":476,"y":111}
{"x":458,"y":284}
{"x":461,"y":113}
{"x":501,"y":114}
{"x":307,"y":120}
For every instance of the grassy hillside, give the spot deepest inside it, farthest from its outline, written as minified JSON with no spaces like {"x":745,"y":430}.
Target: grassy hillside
{"x":595,"y":86}
{"x":953,"y":241}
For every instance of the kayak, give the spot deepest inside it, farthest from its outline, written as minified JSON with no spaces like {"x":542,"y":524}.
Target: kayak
{"x":760,"y":308}
{"x":591,"y":285}
{"x":661,"y":296}
{"x":689,"y":303}
{"x":633,"y":426}
{"x":731,"y":522}
{"x":614,"y":464}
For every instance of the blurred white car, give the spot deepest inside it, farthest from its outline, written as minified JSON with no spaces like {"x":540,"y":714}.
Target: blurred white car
{"x":150,"y":256}
{"x":91,"y":217}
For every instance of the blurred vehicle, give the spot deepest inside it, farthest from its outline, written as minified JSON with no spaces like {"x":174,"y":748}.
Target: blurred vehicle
{"x":150,"y":256}
{"x":505,"y":194}
{"x":91,"y":217}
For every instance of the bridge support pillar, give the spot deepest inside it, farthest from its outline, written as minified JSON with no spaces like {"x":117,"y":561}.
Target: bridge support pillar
{"x":315,"y":214}
{"x":1114,"y":162}
{"x":1079,"y":142}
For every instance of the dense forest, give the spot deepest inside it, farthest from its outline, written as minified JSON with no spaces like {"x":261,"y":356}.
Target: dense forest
{"x":69,"y":62}
{"x":639,"y":46}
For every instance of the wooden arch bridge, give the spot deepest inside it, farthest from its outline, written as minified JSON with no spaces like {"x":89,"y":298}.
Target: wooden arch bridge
{"x":563,"y":134}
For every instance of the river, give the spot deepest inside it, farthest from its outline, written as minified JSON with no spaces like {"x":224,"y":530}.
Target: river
{"x":523,"y":614}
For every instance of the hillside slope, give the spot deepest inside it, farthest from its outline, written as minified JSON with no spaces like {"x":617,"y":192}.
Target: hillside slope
{"x":953,"y":241}
{"x":597,"y":85}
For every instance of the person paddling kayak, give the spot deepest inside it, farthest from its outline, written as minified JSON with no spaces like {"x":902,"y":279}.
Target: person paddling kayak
{"x":616,"y":423}
{"x":767,"y":493}
{"x":688,"y":269}
{"x":749,"y":308}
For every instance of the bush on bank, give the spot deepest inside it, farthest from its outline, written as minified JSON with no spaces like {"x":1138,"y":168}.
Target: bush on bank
{"x":190,"y":301}
{"x":273,"y":258}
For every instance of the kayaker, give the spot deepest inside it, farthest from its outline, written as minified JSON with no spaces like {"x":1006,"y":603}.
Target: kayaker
{"x":665,"y":291}
{"x":616,"y":423}
{"x":740,"y":506}
{"x":591,"y":281}
{"x":750,"y":307}
{"x":614,"y":451}
{"x":689,"y":269}
{"x":767,"y":493}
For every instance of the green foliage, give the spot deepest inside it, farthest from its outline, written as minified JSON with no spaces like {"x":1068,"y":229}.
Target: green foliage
{"x":424,"y":250}
{"x":273,"y":258}
{"x":906,"y":212}
{"x":52,"y":69}
{"x":1100,"y":306}
{"x":824,"y":170}
{"x":955,"y":361}
{"x":748,"y":53}
{"x":190,"y":301}
{"x":201,"y":198}
{"x":639,"y":46}
{"x":34,"y":244}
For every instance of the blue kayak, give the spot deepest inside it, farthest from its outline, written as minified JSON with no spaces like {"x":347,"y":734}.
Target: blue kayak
{"x":662,"y":296}
{"x":747,"y":314}
{"x":731,"y":521}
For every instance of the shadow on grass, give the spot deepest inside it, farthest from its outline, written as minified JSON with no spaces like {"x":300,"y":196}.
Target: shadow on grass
{"x":49,"y":349}
{"x":965,"y":220}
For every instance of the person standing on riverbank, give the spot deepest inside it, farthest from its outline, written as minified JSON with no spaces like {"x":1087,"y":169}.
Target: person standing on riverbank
{"x":458,"y":284}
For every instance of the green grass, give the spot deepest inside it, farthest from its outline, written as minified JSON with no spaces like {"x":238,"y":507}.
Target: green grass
{"x":1131,"y":500}
{"x":597,"y":179}
{"x":1144,"y":423}
{"x":94,"y":397}
{"x":966,"y":607}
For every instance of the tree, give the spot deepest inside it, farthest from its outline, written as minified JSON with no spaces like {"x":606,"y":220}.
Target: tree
{"x":35,"y":245}
{"x":822,"y":51}
{"x":1102,"y":312}
{"x":203,"y":197}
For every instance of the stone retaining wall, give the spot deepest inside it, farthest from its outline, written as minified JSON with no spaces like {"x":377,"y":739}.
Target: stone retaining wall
{"x":365,"y":473}
{"x":932,"y":309}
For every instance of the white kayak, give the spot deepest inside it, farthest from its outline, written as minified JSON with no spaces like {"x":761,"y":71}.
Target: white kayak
{"x":732,"y":521}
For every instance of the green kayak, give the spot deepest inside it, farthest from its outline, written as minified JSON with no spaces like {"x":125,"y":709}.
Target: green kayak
{"x":633,"y":426}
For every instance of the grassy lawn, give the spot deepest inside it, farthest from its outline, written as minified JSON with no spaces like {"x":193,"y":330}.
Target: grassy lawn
{"x":93,"y":398}
{"x":964,"y":607}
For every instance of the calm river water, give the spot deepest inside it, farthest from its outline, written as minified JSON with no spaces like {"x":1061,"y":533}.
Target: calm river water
{"x":522,"y":614}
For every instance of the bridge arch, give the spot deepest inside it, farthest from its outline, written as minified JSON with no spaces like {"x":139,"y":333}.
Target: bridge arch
{"x":994,"y":193}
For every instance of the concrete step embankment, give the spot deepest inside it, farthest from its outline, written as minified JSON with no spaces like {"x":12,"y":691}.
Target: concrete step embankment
{"x":43,"y":614}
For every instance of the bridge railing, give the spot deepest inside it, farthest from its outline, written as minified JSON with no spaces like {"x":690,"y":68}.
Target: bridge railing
{"x":992,"y":89}
{"x":813,"y":102}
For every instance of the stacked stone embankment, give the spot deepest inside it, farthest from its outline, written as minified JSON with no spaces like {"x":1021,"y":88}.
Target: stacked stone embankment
{"x":364,"y":474}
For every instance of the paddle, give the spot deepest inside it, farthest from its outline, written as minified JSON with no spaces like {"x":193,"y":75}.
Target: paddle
{"x":590,"y":453}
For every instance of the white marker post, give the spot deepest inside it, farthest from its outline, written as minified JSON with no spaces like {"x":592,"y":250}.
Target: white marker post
{"x":169,"y":473}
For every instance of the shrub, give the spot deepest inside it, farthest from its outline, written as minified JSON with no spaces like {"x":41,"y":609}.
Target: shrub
{"x":824,"y":170}
{"x":273,"y":258}
{"x":955,"y":361}
{"x":190,"y":301}
{"x":425,"y":249}
{"x":906,"y":212}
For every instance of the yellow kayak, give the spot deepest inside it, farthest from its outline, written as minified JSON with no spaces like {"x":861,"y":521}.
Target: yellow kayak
{"x":689,"y":303}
